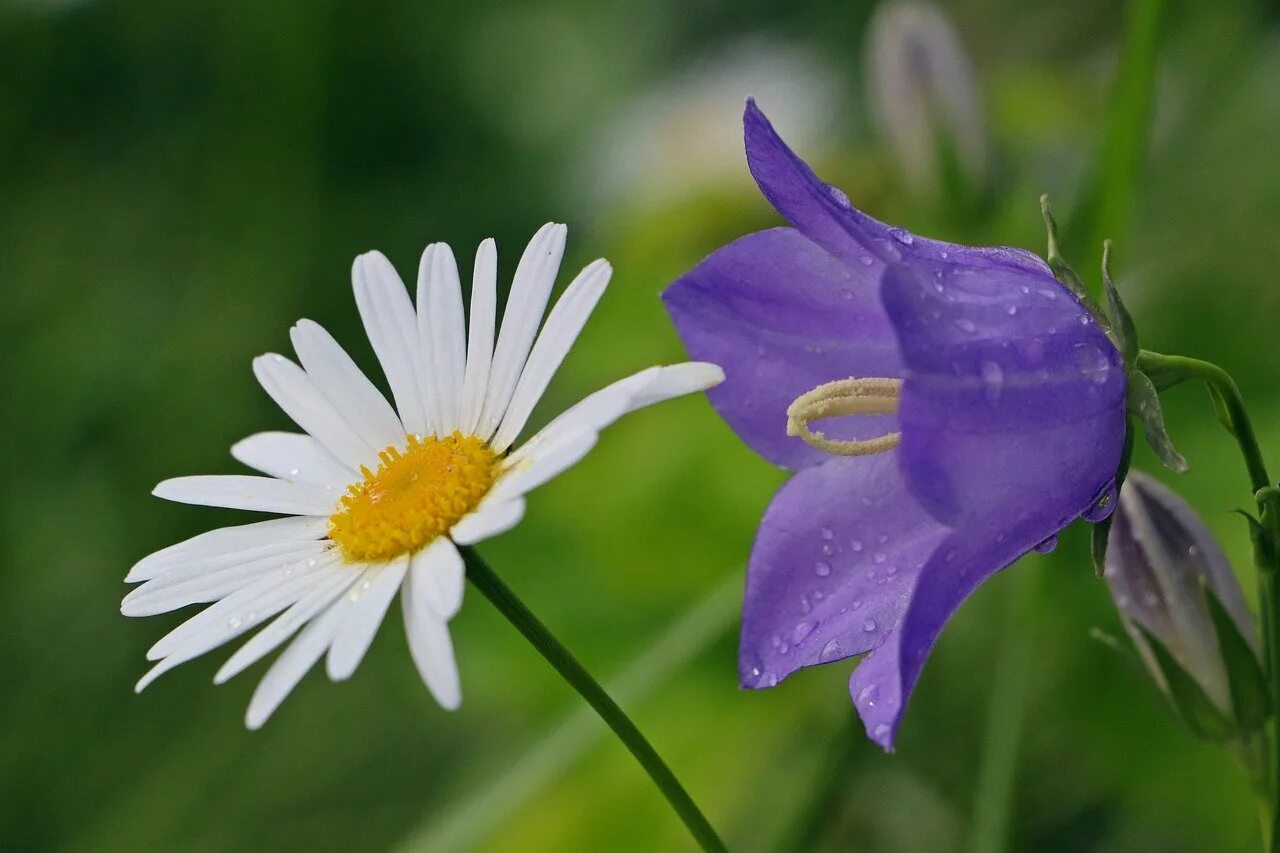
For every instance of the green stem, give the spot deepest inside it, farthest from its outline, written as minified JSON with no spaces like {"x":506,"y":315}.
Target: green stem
{"x":1169,"y":370}
{"x":482,"y":575}
{"x":1226,"y":393}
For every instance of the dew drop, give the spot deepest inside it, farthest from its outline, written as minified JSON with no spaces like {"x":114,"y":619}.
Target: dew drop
{"x":871,"y":574}
{"x":880,"y":732}
{"x":857,"y":602}
{"x":1011,"y":310}
{"x":867,"y":696}
{"x":772,"y":679}
{"x":803,"y":629}
{"x":829,"y":652}
{"x":992,"y":381}
{"x":879,"y":558}
{"x":856,"y":544}
{"x":966,"y":326}
{"x":822,"y":568}
{"x":234,"y":622}
{"x":828,"y":534}
{"x":293,"y":472}
{"x":1104,"y":503}
{"x":869,"y":626}
{"x":1048,"y":545}
{"x":867,"y":260}
{"x":1093,"y":363}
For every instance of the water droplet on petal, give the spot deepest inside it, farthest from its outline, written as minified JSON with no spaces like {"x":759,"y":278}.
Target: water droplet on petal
{"x":1103,"y":505}
{"x":1093,"y":363}
{"x":234,"y":622}
{"x":803,"y":629}
{"x":966,"y":326}
{"x":879,"y":558}
{"x":880,"y":732}
{"x":829,"y":652}
{"x":867,"y":696}
{"x":1011,"y":310}
{"x":828,"y":533}
{"x":822,"y":568}
{"x":869,"y":626}
{"x":856,"y":544}
{"x":1048,"y":545}
{"x":992,"y":381}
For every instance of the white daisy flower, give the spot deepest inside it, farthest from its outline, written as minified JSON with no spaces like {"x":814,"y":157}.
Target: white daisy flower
{"x":378,"y":498}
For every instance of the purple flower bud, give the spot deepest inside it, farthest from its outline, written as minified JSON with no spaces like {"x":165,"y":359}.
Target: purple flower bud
{"x":924,"y":94}
{"x":1161,"y":560}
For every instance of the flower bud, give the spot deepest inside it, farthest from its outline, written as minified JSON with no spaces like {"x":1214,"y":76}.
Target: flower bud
{"x":1182,"y":604}
{"x":924,"y":95}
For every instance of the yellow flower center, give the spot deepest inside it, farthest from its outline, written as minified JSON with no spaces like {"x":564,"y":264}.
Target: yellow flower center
{"x":416,"y":494}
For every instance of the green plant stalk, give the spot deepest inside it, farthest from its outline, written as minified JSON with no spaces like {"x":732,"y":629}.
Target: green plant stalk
{"x":1235,"y":417}
{"x":482,"y":575}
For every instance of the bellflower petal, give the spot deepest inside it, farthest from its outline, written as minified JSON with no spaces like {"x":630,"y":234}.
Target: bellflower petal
{"x":781,"y":316}
{"x":833,"y":566}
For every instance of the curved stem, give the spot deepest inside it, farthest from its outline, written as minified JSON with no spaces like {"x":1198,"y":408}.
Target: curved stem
{"x":1166,"y":371}
{"x":1173,"y":369}
{"x":482,"y":575}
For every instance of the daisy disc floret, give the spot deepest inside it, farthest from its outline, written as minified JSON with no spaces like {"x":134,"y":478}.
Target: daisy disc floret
{"x":376,"y":497}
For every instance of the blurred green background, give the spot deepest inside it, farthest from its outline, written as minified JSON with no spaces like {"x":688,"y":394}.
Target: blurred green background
{"x":180,"y":182}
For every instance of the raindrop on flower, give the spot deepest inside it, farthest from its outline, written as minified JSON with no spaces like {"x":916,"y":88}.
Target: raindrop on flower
{"x":803,"y":629}
{"x":822,"y":568}
{"x":829,"y":652}
{"x":869,"y":626}
{"x":966,"y":326}
{"x":1048,"y":545}
{"x":992,"y":381}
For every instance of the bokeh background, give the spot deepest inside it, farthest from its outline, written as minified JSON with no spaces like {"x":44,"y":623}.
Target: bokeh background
{"x":180,"y":182}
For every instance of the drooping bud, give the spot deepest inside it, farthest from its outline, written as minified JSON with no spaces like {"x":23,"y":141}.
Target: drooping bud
{"x":924,"y":95}
{"x":1183,"y":607}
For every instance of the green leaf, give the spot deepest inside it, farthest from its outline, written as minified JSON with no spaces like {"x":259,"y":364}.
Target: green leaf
{"x":1248,"y":685}
{"x":1263,"y":553}
{"x":1144,"y":404}
{"x":1123,"y":332}
{"x":1191,"y":704}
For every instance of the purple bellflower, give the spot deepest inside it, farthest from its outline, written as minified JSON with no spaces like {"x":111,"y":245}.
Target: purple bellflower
{"x":976,"y":406}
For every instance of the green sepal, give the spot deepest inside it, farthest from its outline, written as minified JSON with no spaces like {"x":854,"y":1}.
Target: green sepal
{"x":1263,"y":552}
{"x":1124,"y":334}
{"x":1249,"y":699}
{"x":1144,"y":404}
{"x":1190,"y":703}
{"x":1220,"y":408}
{"x":1063,"y":272}
{"x":1100,"y":533}
{"x":1123,"y":650}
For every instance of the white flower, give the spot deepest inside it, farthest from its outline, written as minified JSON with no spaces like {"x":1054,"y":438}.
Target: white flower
{"x":378,"y":498}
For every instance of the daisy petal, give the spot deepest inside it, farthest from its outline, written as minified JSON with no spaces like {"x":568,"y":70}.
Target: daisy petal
{"x":226,"y":542}
{"x":530,"y":290}
{"x":229,"y":618}
{"x":294,"y":663}
{"x":430,"y":644}
{"x":484,"y":306}
{"x":236,"y":491}
{"x":489,"y":519}
{"x":549,"y":460}
{"x":388,"y":319}
{"x":365,"y":613}
{"x":212,"y":579}
{"x":599,"y":410}
{"x":442,"y":330}
{"x":345,"y":386}
{"x":300,"y":399}
{"x":240,"y":611}
{"x":292,"y":456}
{"x":337,"y":581}
{"x":558,"y":335}
{"x":438,"y":573}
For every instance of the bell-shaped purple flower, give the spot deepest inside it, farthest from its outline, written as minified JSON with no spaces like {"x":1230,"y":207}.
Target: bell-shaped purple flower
{"x":990,"y":413}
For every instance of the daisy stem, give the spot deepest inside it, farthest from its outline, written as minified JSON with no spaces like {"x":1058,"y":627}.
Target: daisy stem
{"x":482,"y":575}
